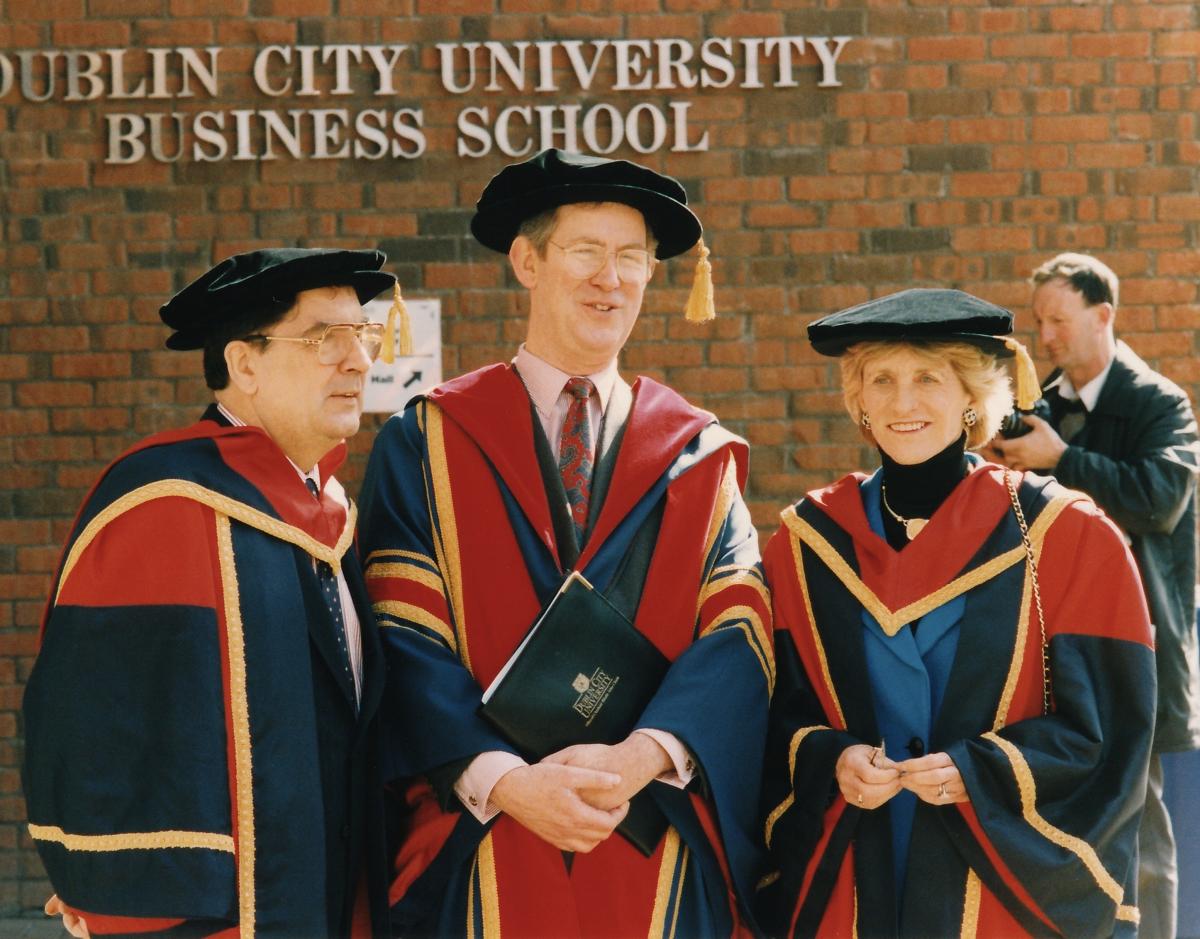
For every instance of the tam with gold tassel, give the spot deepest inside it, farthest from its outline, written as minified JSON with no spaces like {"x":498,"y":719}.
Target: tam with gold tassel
{"x":700,"y":306}
{"x":1028,"y":387}
{"x":398,"y":319}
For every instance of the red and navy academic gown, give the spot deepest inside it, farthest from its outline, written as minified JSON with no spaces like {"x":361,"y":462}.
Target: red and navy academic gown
{"x":1047,"y":844}
{"x":195,"y":762}
{"x":462,"y":555}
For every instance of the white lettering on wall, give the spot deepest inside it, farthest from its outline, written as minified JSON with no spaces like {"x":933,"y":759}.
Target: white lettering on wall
{"x":519,"y":130}
{"x":490,"y":71}
{"x":385,"y":66}
{"x":262,"y":65}
{"x":243,"y":134}
{"x":820,"y":45}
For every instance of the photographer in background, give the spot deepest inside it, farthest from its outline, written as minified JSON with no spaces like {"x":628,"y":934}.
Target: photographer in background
{"x":1126,"y":436}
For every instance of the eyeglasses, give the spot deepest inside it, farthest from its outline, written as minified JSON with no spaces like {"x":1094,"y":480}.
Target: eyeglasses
{"x":634,"y":265}
{"x":337,"y":341}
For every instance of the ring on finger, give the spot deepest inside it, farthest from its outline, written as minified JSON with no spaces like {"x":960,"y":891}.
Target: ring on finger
{"x":942,"y":791}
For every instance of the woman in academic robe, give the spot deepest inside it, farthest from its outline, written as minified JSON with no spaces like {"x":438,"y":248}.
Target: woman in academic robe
{"x":965,"y":698}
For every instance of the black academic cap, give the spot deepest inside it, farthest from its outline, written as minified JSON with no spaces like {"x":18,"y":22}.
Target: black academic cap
{"x":240,"y":282}
{"x":919,"y":315}
{"x":554,"y":177}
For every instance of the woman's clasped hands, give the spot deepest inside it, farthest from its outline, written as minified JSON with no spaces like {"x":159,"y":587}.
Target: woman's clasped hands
{"x":867,"y":778}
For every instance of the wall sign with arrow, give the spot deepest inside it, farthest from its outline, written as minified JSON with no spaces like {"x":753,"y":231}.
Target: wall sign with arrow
{"x":390,"y":387}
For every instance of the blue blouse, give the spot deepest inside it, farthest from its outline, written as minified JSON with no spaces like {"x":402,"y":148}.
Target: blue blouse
{"x":907,"y":674}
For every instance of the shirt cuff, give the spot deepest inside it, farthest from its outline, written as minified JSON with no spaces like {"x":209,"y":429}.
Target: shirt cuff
{"x":474,"y":786}
{"x":684,"y":767}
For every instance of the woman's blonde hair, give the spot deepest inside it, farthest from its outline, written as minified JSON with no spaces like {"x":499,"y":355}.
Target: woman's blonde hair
{"x":984,"y":378}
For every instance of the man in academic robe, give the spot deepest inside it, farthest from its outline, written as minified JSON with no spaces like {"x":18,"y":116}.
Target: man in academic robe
{"x":1126,"y":435}
{"x":479,"y":500}
{"x":201,"y":743}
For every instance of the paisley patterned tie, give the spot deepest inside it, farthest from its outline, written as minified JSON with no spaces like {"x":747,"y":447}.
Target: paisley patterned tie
{"x":575,"y":453}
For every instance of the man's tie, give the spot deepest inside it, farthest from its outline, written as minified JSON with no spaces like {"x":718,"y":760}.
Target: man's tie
{"x":575,"y":453}
{"x":1071,"y":418}
{"x":332,"y":596}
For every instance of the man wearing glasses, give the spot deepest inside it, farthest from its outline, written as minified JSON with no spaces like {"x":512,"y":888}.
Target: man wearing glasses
{"x":200,"y":720}
{"x":479,"y":500}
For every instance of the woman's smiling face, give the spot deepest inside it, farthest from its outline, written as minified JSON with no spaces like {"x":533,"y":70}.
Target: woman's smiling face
{"x":915,"y":401}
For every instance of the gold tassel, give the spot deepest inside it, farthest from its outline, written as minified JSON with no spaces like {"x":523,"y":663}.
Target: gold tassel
{"x":1028,"y":387}
{"x":398,"y":312}
{"x":700,"y":307}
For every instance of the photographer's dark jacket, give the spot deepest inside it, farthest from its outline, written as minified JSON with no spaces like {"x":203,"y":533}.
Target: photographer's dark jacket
{"x":1137,"y":456}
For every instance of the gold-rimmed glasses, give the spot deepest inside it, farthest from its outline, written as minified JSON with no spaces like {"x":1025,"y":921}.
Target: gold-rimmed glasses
{"x":337,"y":340}
{"x":586,"y":259}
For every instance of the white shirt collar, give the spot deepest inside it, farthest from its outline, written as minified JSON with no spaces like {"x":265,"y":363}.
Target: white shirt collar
{"x":313,"y":474}
{"x":545,"y":381}
{"x":1089,"y":394}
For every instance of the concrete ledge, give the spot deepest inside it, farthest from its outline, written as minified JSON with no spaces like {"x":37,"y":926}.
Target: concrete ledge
{"x":43,"y":927}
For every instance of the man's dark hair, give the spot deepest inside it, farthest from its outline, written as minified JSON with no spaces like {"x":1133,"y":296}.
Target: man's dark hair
{"x":256,"y":318}
{"x":263,"y":315}
{"x":1086,"y":275}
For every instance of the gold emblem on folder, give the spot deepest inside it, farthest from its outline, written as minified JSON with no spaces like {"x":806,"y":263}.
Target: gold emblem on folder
{"x":593,"y":692}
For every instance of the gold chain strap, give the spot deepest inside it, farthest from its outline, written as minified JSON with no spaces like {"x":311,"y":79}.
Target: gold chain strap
{"x":1037,"y":593}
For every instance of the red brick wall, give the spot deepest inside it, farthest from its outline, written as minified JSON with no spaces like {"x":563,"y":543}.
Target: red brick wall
{"x":966,"y":145}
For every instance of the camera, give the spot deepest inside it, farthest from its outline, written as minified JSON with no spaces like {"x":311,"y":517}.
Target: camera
{"x":1013,"y":426}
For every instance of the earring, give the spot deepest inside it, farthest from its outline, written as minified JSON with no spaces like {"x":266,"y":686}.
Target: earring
{"x":970,"y":417}
{"x":865,"y":420}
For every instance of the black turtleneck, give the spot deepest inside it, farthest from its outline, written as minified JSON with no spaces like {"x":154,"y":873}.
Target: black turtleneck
{"x":916,"y":491}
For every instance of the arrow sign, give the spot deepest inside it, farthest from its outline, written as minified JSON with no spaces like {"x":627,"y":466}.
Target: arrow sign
{"x":394,"y":384}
